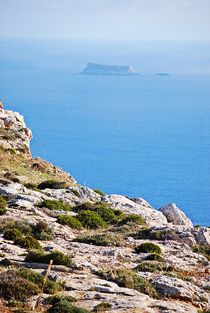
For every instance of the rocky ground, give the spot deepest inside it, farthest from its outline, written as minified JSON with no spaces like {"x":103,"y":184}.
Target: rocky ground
{"x":108,"y":269}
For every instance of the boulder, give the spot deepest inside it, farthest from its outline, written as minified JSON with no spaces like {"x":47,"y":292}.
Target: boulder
{"x":175,"y":216}
{"x":143,"y":208}
{"x":203,"y":236}
{"x":176,"y":288}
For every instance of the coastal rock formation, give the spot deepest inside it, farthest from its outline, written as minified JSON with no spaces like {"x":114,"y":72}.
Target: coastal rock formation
{"x":175,"y":215}
{"x":113,"y":70}
{"x":14,"y":135}
{"x":110,"y":253}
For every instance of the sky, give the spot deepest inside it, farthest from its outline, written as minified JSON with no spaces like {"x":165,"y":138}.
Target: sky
{"x":106,"y":19}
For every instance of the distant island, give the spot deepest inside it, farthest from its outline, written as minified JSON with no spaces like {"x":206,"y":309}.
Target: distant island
{"x":114,"y":70}
{"x":163,"y":74}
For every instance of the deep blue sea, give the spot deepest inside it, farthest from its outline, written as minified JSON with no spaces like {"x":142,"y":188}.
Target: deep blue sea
{"x":143,"y":136}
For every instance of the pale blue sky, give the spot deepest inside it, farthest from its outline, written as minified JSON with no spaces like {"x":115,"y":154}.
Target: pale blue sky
{"x":106,"y":19}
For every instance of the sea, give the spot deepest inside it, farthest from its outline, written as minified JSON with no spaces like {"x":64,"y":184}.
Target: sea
{"x":141,"y":136}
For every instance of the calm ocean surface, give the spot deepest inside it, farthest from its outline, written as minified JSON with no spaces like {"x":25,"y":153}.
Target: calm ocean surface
{"x":145,"y":136}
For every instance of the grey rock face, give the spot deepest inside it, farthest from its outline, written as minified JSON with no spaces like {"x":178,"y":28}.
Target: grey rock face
{"x":14,"y":135}
{"x":176,"y":288}
{"x":203,"y":236}
{"x":152,"y":216}
{"x":175,"y":215}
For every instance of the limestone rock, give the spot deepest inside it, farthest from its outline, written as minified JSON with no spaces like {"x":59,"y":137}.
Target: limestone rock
{"x":176,"y":288}
{"x":152,"y":216}
{"x":203,"y":236}
{"x":14,"y":135}
{"x":175,"y":215}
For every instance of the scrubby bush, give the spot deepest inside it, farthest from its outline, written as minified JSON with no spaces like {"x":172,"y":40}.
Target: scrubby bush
{"x":52,"y":184}
{"x":12,"y":234}
{"x":106,"y":213}
{"x":150,"y":267}
{"x":107,"y":239}
{"x":98,"y":191}
{"x":32,"y":186}
{"x":55,"y":205}
{"x":129,"y":279}
{"x":148,"y":247}
{"x":91,"y":219}
{"x":70,"y":221}
{"x":27,"y":242}
{"x":152,"y":234}
{"x":64,"y":306}
{"x":3,"y":204}
{"x":154,"y":257}
{"x":101,"y":307}
{"x":12,"y":286}
{"x":59,"y":258}
{"x":42,"y":231}
{"x":132,"y":218}
{"x":57,"y":298}
{"x":75,"y":192}
{"x":84,"y":206}
{"x":202,"y":249}
{"x":50,"y":287}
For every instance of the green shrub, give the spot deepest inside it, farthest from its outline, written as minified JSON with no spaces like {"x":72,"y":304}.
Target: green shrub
{"x":52,"y":184}
{"x":150,"y":267}
{"x":132,"y":218}
{"x":84,"y":206}
{"x":107,"y":239}
{"x":202,"y":249}
{"x":91,"y":219}
{"x":129,"y":279}
{"x":148,"y":247}
{"x":55,"y":205}
{"x":12,"y":286}
{"x":75,"y":192}
{"x":59,"y":258}
{"x":51,"y":287}
{"x":32,"y":186}
{"x":154,"y":257}
{"x":57,"y":298}
{"x":64,"y":306}
{"x":42,"y":231}
{"x":3,"y":204}
{"x":28,"y":242}
{"x":98,"y":191}
{"x":152,"y":234}
{"x":70,"y":221}
{"x":106,"y":213}
{"x":101,"y":307}
{"x":12,"y":233}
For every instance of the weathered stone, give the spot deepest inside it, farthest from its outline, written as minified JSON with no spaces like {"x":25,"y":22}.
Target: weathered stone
{"x":175,"y":215}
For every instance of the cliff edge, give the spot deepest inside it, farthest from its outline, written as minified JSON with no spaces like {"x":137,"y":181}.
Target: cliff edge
{"x":71,"y":249}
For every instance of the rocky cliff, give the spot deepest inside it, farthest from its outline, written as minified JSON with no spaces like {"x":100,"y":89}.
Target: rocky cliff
{"x":109,"y":253}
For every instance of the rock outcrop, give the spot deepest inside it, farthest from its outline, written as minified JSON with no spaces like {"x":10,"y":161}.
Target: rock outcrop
{"x":106,"y":269}
{"x":175,"y":215}
{"x":14,"y":135}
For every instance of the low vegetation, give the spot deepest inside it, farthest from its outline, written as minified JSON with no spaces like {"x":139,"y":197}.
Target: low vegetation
{"x":59,"y":258}
{"x":50,"y":287}
{"x":52,"y":184}
{"x":91,"y":219}
{"x":153,"y":267}
{"x":63,"y":305}
{"x":129,"y":279}
{"x":202,"y":249}
{"x":103,"y":239}
{"x":3,"y":204}
{"x":70,"y":221}
{"x":148,"y":247}
{"x":103,"y":306}
{"x":13,"y":286}
{"x":55,"y":205}
{"x":149,"y":233}
{"x":99,"y":192}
